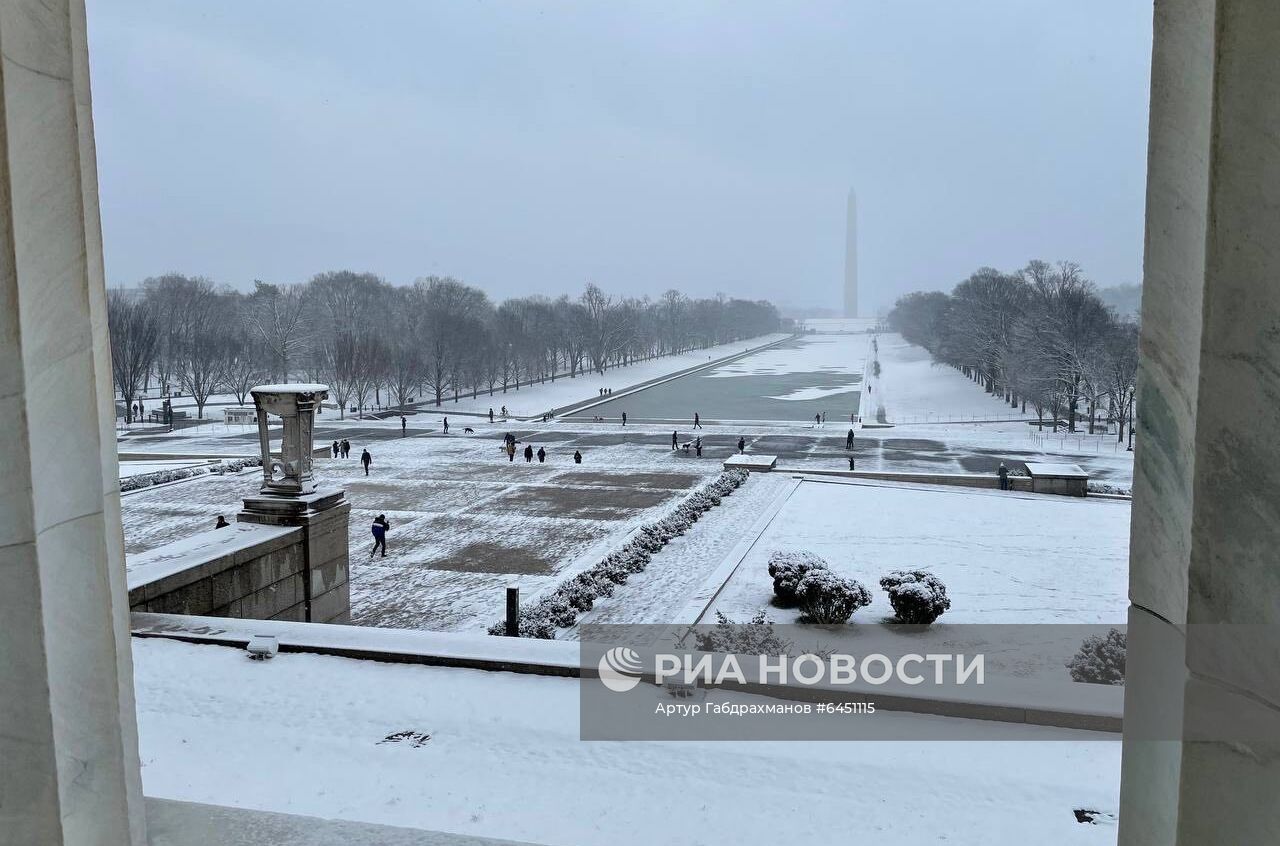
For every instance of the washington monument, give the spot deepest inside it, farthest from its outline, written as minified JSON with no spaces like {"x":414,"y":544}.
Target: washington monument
{"x":851,"y":258}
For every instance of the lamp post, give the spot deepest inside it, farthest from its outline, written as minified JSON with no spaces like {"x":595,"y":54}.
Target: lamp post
{"x":1131,"y":420}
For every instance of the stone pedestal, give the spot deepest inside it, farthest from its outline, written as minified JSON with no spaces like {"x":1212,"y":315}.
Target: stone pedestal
{"x":323,"y":517}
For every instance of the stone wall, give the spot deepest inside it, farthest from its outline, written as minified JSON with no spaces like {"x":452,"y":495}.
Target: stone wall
{"x":246,"y":571}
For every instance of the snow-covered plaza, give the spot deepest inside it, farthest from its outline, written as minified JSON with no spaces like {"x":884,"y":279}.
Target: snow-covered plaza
{"x":467,"y":522}
{"x":503,"y":759}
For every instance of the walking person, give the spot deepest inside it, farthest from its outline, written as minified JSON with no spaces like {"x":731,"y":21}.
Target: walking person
{"x":446,"y":425}
{"x":624,"y":418}
{"x":336,"y":449}
{"x":366,"y":459}
{"x":511,"y":450}
{"x":848,"y":440}
{"x":380,"y":528}
{"x":577,"y":457}
{"x":491,"y":415}
{"x":528,"y":454}
{"x":542,"y":455}
{"x":697,"y":421}
{"x":817,"y":419}
{"x":403,"y":425}
{"x":675,"y":440}
{"x":851,"y":462}
{"x":697,"y":447}
{"x":1003,"y":473}
{"x":824,"y":418}
{"x":346,"y":448}
{"x":742,"y":445}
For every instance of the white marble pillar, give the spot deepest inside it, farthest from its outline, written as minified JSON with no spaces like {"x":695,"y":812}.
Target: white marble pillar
{"x":1206,"y":518}
{"x":68,"y":738}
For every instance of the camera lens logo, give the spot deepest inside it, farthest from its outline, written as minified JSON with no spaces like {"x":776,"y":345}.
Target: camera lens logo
{"x":620,"y":669}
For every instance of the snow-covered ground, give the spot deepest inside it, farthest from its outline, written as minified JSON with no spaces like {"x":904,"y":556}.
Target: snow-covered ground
{"x":305,"y":734}
{"x":912,"y":389}
{"x":1005,"y":557}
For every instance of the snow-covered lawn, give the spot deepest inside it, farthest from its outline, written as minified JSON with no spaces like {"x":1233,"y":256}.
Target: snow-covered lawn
{"x":912,"y":389}
{"x":1005,"y":557}
{"x":304,"y":734}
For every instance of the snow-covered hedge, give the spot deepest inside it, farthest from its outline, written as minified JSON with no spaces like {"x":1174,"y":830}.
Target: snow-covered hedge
{"x":159,"y":477}
{"x":1100,"y":659}
{"x":787,"y":568}
{"x":1104,"y":488}
{"x":561,"y":607}
{"x":827,"y":599}
{"x":917,"y":596}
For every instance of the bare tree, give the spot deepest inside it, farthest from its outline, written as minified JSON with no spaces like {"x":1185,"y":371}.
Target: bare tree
{"x":135,"y":342}
{"x":276,"y":315}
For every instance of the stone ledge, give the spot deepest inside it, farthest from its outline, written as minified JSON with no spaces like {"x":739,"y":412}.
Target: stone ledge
{"x":1055,"y":704}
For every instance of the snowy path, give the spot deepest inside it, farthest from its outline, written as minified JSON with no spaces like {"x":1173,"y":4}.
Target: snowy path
{"x":659,"y":593}
{"x":302,"y":734}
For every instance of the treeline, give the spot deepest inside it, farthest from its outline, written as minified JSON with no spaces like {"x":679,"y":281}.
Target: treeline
{"x":1040,"y":337}
{"x":437,"y":338}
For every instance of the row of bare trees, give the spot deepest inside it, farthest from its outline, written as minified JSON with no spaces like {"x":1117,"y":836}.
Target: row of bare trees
{"x":372,"y":342}
{"x":1040,"y":337}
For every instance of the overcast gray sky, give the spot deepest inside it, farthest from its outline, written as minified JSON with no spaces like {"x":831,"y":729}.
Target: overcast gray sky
{"x":708,"y":146}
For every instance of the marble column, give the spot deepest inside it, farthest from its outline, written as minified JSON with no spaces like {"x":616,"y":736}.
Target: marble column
{"x":1206,"y":512}
{"x":68,"y":737}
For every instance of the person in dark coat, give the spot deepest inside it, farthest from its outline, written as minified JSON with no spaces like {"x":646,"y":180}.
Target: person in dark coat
{"x":222,"y":522}
{"x":336,"y":449}
{"x":697,"y":447}
{"x":1003,"y":473}
{"x":697,"y":421}
{"x":366,"y":459}
{"x":675,"y":440}
{"x":742,"y":445}
{"x":446,"y":425}
{"x":511,"y":450}
{"x":542,"y":455}
{"x":848,"y":441}
{"x":491,"y":415}
{"x":403,"y":425}
{"x":624,"y":418}
{"x":346,"y":448}
{"x":380,"y":528}
{"x":577,"y":457}
{"x":528,"y":453}
{"x":851,"y":462}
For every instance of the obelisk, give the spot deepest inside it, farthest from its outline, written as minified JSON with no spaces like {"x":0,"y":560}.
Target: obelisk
{"x":851,"y":258}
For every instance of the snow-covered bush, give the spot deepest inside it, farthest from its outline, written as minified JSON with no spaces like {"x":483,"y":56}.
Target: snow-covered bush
{"x":1100,"y":659}
{"x":917,"y":596}
{"x":754,"y":637}
{"x":595,"y":584}
{"x":828,"y":599}
{"x":558,"y":611}
{"x":532,"y":622}
{"x":146,"y":480}
{"x":1104,"y":488}
{"x":787,"y":568}
{"x":576,"y":594}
